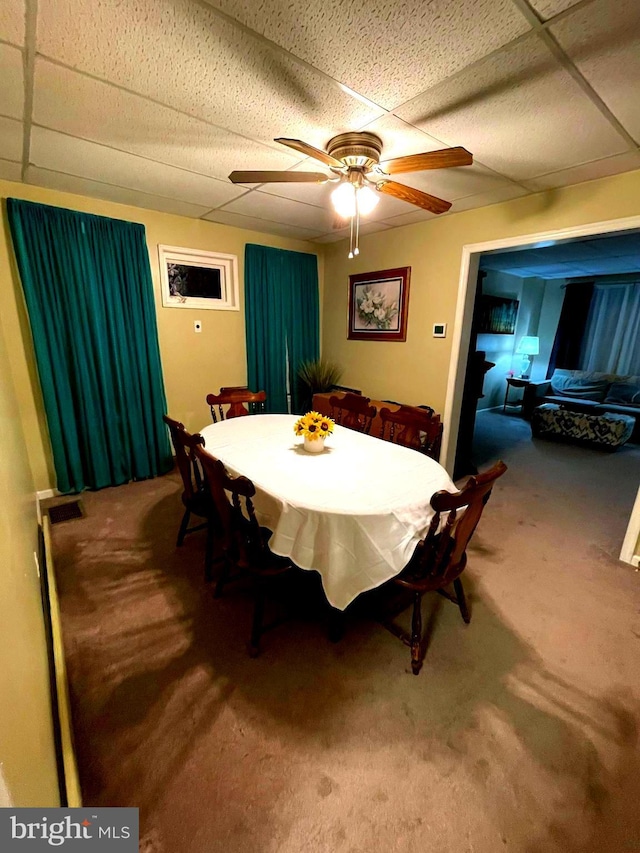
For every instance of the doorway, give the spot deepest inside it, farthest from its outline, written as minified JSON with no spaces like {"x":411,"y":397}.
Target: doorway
{"x":464,"y":329}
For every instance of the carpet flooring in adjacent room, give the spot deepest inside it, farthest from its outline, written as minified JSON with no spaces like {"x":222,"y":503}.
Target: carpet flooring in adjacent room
{"x":520,"y":734}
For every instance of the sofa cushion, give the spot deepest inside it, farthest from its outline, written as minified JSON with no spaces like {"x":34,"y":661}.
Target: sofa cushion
{"x":570,"y":402}
{"x":624,"y":393}
{"x":578,"y":384}
{"x":634,"y":411}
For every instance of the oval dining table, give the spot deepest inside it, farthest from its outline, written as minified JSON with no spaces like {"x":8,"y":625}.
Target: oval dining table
{"x":354,"y":513}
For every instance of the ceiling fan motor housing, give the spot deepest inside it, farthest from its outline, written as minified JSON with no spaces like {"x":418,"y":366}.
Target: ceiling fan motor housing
{"x":359,"y":150}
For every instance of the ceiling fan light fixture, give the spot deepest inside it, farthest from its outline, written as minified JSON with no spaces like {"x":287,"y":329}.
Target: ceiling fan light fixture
{"x":367,"y":200}
{"x":343,"y":199}
{"x":346,"y":194}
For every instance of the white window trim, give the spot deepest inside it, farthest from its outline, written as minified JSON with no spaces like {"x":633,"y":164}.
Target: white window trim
{"x":227,"y":264}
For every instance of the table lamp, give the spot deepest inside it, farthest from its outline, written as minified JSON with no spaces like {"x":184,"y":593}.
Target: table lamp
{"x":529,"y":345}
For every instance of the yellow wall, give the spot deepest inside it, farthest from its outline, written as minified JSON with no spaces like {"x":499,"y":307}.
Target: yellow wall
{"x":416,"y":371}
{"x":27,"y":757}
{"x":193,"y":364}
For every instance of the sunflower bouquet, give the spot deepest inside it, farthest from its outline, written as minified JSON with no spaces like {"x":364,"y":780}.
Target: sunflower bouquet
{"x":313,"y":425}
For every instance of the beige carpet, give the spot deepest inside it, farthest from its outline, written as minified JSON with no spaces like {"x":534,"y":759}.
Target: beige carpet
{"x":520,"y":734}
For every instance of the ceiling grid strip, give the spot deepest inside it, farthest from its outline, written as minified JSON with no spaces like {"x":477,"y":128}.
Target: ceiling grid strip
{"x":29,"y":61}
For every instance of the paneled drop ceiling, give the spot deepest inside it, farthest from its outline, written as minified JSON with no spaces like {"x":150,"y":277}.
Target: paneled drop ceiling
{"x":596,"y":256}
{"x":154,"y":102}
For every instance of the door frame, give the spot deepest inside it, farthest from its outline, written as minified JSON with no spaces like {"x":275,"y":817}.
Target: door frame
{"x":462,"y":329}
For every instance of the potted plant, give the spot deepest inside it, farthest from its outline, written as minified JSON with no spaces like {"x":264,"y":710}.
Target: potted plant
{"x":316,"y":377}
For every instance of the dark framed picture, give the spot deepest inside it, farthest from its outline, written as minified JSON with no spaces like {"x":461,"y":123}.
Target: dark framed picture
{"x":192,"y":278}
{"x":378,"y":305}
{"x":497,"y":315}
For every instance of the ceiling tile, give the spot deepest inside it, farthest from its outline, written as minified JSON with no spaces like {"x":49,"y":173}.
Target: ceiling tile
{"x":550,"y":8}
{"x":519,"y":112}
{"x":12,"y":21}
{"x":460,"y":182}
{"x":10,"y":171}
{"x":343,"y":233}
{"x":586,"y":172}
{"x":95,"y":189}
{"x":400,"y":139}
{"x":60,"y":153}
{"x":603,"y":40}
{"x":186,"y":56}
{"x":253,"y":223}
{"x":388,"y":52}
{"x":12,"y":88}
{"x":81,"y":106}
{"x":494,"y":197}
{"x":285,"y":211}
{"x":317,"y":194}
{"x":388,"y":207}
{"x":410,"y":218}
{"x":10,"y":139}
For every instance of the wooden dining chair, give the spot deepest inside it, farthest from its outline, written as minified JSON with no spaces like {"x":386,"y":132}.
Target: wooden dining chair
{"x":195,"y":497}
{"x":241,"y":401}
{"x":244,"y":544}
{"x":441,"y":557}
{"x":353,"y":411}
{"x":411,"y":426}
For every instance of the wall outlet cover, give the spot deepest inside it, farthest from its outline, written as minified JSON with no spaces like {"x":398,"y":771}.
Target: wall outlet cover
{"x":197,"y":326}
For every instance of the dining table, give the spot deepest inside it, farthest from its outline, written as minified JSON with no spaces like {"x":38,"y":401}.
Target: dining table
{"x":354,"y":512}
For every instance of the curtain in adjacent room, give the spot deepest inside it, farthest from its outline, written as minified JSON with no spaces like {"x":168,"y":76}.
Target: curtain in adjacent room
{"x":282,"y":321}
{"x":567,"y":346}
{"x":612,"y":336}
{"x":89,"y":295}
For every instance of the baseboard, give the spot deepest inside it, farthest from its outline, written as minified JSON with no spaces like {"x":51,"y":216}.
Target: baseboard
{"x":67,"y":766}
{"x":47,"y":493}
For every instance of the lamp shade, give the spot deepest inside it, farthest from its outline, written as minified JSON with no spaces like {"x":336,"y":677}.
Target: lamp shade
{"x":529,"y":345}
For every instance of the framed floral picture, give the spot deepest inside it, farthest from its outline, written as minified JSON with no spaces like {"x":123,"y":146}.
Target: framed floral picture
{"x":378,"y":303}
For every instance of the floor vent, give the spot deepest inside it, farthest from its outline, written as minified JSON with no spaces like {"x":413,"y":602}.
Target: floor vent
{"x":65,"y":512}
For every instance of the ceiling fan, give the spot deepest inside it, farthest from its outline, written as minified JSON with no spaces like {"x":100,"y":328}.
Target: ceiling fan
{"x":355,"y":166}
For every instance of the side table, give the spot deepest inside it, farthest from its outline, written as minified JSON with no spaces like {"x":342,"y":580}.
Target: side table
{"x":514,"y":382}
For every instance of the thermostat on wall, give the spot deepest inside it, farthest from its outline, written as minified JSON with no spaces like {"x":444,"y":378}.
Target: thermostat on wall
{"x":439,"y":330}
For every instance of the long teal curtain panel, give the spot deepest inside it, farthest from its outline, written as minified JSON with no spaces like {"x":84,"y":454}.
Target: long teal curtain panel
{"x":89,"y":295}
{"x":282,"y":320}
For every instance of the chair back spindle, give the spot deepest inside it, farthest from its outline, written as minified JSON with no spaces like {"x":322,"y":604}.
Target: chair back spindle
{"x":184,"y":445}
{"x":242,"y":539}
{"x":353,"y":411}
{"x":441,"y":556}
{"x":240,"y":400}
{"x":411,"y":426}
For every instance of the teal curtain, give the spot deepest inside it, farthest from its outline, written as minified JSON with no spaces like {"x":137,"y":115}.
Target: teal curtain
{"x":282,"y":316}
{"x":88,"y":290}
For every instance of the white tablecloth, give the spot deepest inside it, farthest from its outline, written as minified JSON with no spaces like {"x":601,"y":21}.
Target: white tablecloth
{"x":354,"y":512}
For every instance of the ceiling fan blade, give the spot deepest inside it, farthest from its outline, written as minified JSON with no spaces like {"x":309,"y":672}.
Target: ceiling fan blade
{"x":417,"y":197}
{"x":310,"y":151}
{"x":278,"y":177}
{"x":442,"y":159}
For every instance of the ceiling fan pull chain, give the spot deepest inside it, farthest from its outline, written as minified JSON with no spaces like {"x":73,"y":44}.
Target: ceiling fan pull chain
{"x":356,"y":249}
{"x":351,"y":237}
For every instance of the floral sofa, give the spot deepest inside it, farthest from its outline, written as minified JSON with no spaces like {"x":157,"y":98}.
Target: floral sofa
{"x":590,"y":393}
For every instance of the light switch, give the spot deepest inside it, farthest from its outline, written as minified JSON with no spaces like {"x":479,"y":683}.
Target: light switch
{"x":197,"y":326}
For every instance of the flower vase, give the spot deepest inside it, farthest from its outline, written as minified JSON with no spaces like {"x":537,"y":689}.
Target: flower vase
{"x":314,"y":445}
